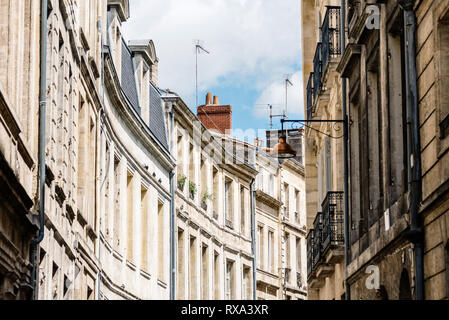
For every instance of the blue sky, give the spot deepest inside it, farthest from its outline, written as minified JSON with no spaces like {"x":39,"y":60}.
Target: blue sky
{"x":254,"y":44}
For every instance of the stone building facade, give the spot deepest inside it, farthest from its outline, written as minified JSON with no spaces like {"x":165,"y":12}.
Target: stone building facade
{"x":19,"y":105}
{"x":323,"y":150}
{"x":213,"y":247}
{"x":397,"y":145}
{"x":279,"y":245}
{"x":108,"y":166}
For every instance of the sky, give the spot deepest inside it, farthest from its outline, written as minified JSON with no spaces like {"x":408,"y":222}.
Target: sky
{"x":253,"y":45}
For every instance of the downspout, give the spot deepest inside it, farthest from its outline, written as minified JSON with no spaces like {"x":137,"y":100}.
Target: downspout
{"x":415,"y":235}
{"x":172,"y":213}
{"x":345,"y":152}
{"x":253,"y":237}
{"x":42,"y":143}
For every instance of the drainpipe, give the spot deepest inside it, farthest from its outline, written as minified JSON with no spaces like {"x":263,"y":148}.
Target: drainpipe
{"x":253,"y":237}
{"x":172,"y":214}
{"x":345,"y":151}
{"x":42,"y":144}
{"x":415,"y":235}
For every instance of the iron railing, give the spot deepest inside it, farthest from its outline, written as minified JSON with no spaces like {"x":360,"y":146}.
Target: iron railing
{"x":310,"y":252}
{"x":310,"y":96}
{"x":332,"y":234}
{"x":317,"y":238}
{"x":330,"y":44}
{"x":298,"y":279}
{"x":317,"y":71}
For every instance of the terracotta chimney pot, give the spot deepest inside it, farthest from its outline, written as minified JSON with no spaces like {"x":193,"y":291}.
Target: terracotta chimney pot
{"x":209,"y":99}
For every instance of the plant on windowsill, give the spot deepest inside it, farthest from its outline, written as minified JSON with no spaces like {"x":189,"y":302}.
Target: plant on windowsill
{"x":204,"y":200}
{"x":181,"y":182}
{"x":192,"y":190}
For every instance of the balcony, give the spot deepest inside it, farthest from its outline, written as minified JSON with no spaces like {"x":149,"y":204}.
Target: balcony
{"x":325,"y":243}
{"x":310,"y":252}
{"x":310,"y":97}
{"x":317,"y":71}
{"x":326,"y":50}
{"x":333,"y":222}
{"x":330,"y":45}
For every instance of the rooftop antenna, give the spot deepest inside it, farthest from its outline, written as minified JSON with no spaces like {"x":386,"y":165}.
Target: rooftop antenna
{"x":198,"y":49}
{"x":287,"y":83}
{"x":272,"y":116}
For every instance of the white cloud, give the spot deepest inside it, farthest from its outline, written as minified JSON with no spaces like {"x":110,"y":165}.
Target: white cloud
{"x":253,"y":43}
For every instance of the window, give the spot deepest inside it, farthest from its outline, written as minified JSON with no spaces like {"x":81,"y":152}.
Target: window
{"x":258,"y":247}
{"x":191,"y":164}
{"x":205,"y":272}
{"x":216,"y":197}
{"x":243,"y":209}
{"x":229,"y":202}
{"x":271,"y":186}
{"x":193,"y":269}
{"x":229,"y":292}
{"x":180,"y":276}
{"x":117,"y":216}
{"x":270,"y":251}
{"x":216,"y":282}
{"x":298,"y":255}
{"x":145,"y":227}
{"x":297,"y":207}
{"x":130,"y":217}
{"x":288,"y":250}
{"x":204,"y":178}
{"x":287,"y":200}
{"x":443,"y":65}
{"x":161,"y":240}
{"x":246,"y":284}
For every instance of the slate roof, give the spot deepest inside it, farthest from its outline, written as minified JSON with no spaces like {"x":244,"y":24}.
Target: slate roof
{"x":157,"y":122}
{"x":129,"y":87}
{"x":129,"y":84}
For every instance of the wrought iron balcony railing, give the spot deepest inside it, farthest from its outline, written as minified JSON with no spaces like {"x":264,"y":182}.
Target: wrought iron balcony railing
{"x":333,"y":222}
{"x":317,"y":239}
{"x":317,"y":71}
{"x":310,"y":252}
{"x":328,"y":231}
{"x":298,"y":279}
{"x":330,"y":44}
{"x":310,"y":97}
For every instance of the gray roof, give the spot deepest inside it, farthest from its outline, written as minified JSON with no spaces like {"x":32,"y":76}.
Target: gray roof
{"x":129,"y":87}
{"x":157,"y":123}
{"x":129,"y":84}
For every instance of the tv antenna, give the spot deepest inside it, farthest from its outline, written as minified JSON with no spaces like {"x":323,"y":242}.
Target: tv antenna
{"x":287,"y":84}
{"x":198,"y":49}
{"x":272,"y":116}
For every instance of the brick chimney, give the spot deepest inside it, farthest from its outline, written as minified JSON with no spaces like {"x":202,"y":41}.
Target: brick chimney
{"x":215,"y":117}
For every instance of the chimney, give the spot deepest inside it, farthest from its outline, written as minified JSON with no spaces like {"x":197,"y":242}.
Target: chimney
{"x":209,"y":99}
{"x":215,"y":117}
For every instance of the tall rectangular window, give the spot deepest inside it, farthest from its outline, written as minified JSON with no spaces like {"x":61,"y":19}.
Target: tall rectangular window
{"x":130,"y":218}
{"x":161,"y":241}
{"x":270,"y":251}
{"x":287,"y":250}
{"x":145,"y":227}
{"x":205,"y":272}
{"x":193,"y":269}
{"x":180,"y":276}
{"x":298,"y":254}
{"x":243,"y":209}
{"x":229,"y":292}
{"x":216,"y":282}
{"x":258,"y":247}
{"x":216,"y":190}
{"x":229,"y":201}
{"x":117,"y":225}
{"x":246,"y":286}
{"x":287,"y":200}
